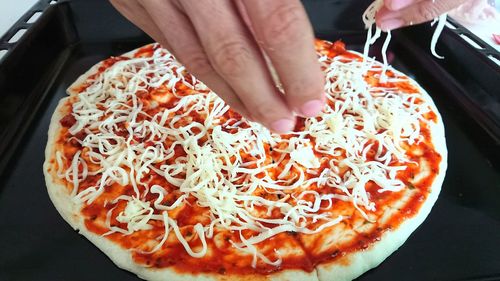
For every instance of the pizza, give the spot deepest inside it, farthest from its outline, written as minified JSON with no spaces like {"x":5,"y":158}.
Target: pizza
{"x":152,"y":167}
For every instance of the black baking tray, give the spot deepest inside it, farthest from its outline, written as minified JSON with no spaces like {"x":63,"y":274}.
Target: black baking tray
{"x":460,"y":240}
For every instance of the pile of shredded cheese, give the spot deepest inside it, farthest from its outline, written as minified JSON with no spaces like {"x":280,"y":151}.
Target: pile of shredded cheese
{"x":359,"y":118}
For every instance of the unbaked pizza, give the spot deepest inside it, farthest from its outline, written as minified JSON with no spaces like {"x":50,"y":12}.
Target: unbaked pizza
{"x":160,"y":174}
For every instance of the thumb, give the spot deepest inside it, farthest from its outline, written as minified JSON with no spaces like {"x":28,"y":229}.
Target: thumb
{"x":419,"y":12}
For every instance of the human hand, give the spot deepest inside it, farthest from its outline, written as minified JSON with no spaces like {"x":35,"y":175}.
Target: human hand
{"x":221,"y":42}
{"x":399,"y":13}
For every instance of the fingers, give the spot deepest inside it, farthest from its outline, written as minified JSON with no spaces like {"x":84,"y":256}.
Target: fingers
{"x":412,"y":13}
{"x":172,"y":23}
{"x":284,"y":32}
{"x":236,"y":57}
{"x":225,"y":49}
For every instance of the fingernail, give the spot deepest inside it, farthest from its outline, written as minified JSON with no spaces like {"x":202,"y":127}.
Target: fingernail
{"x":311,"y":108}
{"x":282,"y":126}
{"x":391,"y":24}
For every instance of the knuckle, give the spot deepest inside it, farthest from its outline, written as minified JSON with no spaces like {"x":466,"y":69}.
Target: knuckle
{"x":283,"y":25}
{"x":198,"y":63}
{"x":428,"y":10}
{"x":265,"y":110}
{"x":231,"y":58}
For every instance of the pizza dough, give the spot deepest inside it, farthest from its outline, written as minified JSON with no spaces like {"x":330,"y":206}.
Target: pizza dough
{"x":304,"y":242}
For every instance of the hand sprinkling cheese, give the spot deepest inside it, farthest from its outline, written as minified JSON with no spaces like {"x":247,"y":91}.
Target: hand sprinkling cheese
{"x":393,"y":14}
{"x":229,"y":51}
{"x":398,"y":13}
{"x":232,"y":51}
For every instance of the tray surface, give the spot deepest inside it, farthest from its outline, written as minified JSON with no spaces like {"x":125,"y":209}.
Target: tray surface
{"x":460,"y":240}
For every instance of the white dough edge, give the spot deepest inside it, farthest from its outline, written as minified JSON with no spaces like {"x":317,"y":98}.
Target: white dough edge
{"x":60,"y":197}
{"x":360,"y":262}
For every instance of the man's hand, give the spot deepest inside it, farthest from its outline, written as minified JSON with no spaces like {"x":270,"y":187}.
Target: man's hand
{"x":222,"y":43}
{"x":399,"y":13}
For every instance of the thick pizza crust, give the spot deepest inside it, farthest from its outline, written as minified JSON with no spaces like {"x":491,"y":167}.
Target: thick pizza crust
{"x":70,"y":212}
{"x":353,"y":265}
